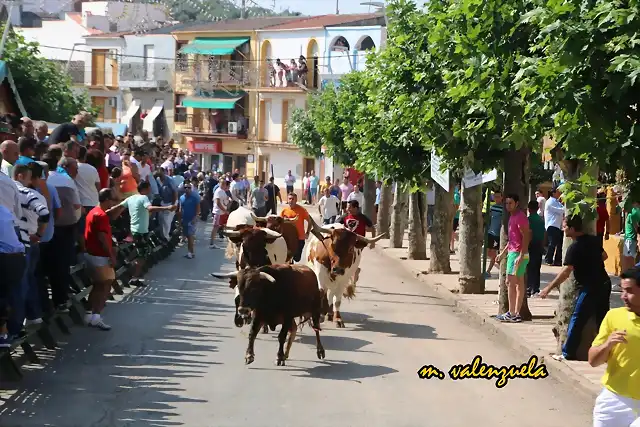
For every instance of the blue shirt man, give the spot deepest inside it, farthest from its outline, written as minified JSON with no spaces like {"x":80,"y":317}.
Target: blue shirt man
{"x":54,"y":203}
{"x":24,"y":160}
{"x":190,"y":208}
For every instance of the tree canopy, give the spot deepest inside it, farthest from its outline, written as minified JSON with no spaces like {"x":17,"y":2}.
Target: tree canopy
{"x":46,"y":90}
{"x":206,"y":10}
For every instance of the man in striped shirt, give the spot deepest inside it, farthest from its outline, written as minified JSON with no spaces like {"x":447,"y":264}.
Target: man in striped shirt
{"x":25,"y":301}
{"x":495,"y":224}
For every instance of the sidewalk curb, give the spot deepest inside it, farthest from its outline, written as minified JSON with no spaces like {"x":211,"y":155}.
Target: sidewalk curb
{"x":557,"y":370}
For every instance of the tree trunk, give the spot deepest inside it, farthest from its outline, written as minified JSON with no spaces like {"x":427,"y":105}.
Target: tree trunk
{"x":516,"y":173}
{"x":369,"y":192}
{"x":398,"y":217}
{"x":417,"y":226}
{"x":471,"y":237}
{"x":384,"y":210}
{"x":441,"y":231}
{"x":572,"y":169}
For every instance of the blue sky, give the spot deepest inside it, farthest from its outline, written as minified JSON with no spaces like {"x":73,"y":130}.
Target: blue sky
{"x":319,"y":7}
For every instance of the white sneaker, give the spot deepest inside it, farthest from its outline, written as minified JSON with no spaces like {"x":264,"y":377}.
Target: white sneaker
{"x":97,"y":322}
{"x":30,"y":322}
{"x":189,"y":256}
{"x":213,"y":246}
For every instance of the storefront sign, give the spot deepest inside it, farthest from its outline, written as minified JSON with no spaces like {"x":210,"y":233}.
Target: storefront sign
{"x":212,"y":146}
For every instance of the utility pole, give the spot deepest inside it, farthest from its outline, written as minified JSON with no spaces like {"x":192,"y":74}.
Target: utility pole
{"x":337,"y":7}
{"x":243,"y":9}
{"x":7,"y":27}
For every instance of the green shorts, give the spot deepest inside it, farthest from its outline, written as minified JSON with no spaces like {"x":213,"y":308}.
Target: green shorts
{"x":511,"y":264}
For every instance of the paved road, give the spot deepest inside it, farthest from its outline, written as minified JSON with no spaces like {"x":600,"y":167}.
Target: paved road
{"x":174,"y":358}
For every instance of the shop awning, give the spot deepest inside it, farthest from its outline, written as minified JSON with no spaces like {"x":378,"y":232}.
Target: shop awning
{"x":211,"y":46}
{"x":131,"y":111}
{"x":219,"y":100}
{"x":147,"y":123}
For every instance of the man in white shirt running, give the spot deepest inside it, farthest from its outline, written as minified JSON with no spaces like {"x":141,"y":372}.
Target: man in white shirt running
{"x":220,"y":206}
{"x":329,"y":207}
{"x":356,"y":195}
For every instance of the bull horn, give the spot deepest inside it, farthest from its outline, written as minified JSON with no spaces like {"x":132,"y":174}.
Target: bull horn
{"x":258,"y":218}
{"x":319,"y":229}
{"x":371,"y":240}
{"x":271,"y":233}
{"x":267,"y":276}
{"x":224,"y":275}
{"x":231,"y":233}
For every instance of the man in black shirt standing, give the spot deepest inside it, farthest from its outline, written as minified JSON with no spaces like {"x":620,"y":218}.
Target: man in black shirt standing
{"x":67,"y":131}
{"x":585,"y":259}
{"x":273,"y":192}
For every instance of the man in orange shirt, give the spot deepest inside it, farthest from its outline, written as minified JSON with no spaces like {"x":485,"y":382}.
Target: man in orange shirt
{"x":296,"y":211}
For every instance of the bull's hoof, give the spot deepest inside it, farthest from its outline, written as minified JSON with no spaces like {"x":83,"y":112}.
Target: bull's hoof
{"x":330,"y":317}
{"x":339,"y":323}
{"x":249,"y":358}
{"x":286,"y":356}
{"x":265,"y":329}
{"x":322,"y":319}
{"x":320,"y":353}
{"x":280,"y":362}
{"x":239,"y":322}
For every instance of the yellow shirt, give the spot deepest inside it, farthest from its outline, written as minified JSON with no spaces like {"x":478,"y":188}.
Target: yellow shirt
{"x":623,"y":367}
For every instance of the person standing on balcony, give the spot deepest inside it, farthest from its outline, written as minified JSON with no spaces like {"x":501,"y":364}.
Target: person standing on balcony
{"x":293,"y":72}
{"x":302,"y":71}
{"x":281,"y":70}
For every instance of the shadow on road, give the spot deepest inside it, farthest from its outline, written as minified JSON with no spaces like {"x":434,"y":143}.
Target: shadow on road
{"x":132,"y":374}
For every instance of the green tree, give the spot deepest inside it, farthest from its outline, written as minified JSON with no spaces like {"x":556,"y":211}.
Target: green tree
{"x":579,"y":83}
{"x":45,"y":90}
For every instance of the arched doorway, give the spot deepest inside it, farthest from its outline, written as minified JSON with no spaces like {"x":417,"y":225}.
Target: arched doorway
{"x":366,"y":43}
{"x":265,"y":62}
{"x":340,"y":44}
{"x":312,"y":63}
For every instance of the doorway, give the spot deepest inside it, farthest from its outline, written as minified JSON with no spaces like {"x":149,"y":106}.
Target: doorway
{"x":308,"y":165}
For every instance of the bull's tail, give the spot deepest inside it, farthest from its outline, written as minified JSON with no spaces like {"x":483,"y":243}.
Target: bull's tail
{"x":230,"y":251}
{"x":350,"y":292}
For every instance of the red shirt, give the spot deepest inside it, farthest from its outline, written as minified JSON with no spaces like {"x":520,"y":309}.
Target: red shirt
{"x":103,"y":173}
{"x":356,"y":223}
{"x":603,"y":217}
{"x":97,"y":222}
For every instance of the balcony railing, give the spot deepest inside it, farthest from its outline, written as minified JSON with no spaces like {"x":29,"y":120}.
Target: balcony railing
{"x":140,"y":74}
{"x":205,"y":124}
{"x":212,"y":72}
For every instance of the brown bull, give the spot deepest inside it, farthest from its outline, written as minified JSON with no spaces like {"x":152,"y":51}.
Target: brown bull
{"x":277,"y":295}
{"x":284,"y":226}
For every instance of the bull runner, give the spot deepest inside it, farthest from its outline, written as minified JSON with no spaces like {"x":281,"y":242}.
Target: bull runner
{"x":359,"y":223}
{"x":294,"y":210}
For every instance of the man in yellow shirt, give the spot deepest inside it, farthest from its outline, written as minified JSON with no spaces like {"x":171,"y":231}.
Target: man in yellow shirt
{"x":618,"y":345}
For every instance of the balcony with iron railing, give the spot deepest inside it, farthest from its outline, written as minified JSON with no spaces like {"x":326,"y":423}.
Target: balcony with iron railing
{"x":146,"y":75}
{"x":204,"y":124}
{"x":212,"y":72}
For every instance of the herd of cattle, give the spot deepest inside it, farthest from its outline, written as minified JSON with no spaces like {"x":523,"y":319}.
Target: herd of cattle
{"x":270,"y":290}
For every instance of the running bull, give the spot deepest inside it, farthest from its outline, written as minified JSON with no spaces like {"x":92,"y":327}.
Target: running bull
{"x":277,"y":295}
{"x":335,"y":258}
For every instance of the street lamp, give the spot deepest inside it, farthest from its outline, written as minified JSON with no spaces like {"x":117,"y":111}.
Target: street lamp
{"x":381,"y":7}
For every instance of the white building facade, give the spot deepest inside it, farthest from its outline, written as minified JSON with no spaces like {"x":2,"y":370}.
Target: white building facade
{"x":332,"y":45}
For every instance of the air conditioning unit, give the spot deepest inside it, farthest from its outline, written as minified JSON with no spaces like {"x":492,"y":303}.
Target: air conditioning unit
{"x":233,"y":128}
{"x":112,"y":102}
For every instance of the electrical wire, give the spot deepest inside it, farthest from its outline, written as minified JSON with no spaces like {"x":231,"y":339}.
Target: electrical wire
{"x":175,"y":59}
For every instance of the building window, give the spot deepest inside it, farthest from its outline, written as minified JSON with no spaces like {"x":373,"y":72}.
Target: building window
{"x":180,"y":111}
{"x":181,"y":58}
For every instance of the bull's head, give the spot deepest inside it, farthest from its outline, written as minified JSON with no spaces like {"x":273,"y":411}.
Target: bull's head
{"x":341,"y":245}
{"x":251,"y":284}
{"x":254,"y":241}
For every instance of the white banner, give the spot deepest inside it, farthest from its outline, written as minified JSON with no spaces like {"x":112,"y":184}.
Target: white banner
{"x":472,"y":180}
{"x":441,"y":178}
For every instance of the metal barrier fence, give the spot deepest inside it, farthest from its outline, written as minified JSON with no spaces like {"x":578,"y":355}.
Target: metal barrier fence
{"x":43,"y":334}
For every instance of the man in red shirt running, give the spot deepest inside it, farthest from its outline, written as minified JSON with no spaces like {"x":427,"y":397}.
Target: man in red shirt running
{"x":359,"y":223}
{"x":100,"y":257}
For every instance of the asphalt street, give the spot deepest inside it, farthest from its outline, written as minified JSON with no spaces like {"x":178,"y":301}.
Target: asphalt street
{"x":175,"y":358}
